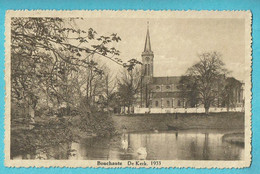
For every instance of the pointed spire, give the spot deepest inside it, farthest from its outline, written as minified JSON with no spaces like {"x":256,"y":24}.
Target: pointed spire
{"x":147,"y":46}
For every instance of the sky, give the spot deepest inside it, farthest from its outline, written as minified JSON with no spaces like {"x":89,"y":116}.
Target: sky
{"x":176,"y":43}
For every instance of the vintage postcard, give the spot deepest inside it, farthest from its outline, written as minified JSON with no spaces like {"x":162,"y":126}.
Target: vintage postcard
{"x":136,"y":89}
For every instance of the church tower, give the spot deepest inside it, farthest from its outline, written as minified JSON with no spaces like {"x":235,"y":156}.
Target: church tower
{"x":147,"y":58}
{"x":147,"y":71}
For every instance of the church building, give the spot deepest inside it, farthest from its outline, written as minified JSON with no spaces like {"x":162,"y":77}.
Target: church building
{"x":164,"y":92}
{"x":158,"y":92}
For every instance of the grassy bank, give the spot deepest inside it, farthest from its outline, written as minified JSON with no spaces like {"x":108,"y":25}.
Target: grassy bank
{"x":141,"y":122}
{"x":237,"y":138}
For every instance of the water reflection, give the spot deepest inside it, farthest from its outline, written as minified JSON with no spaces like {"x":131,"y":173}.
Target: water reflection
{"x":171,"y":145}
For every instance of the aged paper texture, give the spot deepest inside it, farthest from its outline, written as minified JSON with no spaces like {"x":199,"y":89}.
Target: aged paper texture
{"x":119,"y":89}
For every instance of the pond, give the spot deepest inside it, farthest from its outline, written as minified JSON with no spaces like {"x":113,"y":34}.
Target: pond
{"x":168,"y":145}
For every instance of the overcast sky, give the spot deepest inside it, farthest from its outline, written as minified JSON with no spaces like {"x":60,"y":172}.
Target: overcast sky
{"x":176,"y":43}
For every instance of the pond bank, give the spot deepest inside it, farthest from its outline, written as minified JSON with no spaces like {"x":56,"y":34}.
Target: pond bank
{"x":232,"y":121}
{"x":235,"y":138}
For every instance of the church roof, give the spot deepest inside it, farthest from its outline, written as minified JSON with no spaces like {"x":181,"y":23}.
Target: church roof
{"x":166,"y":80}
{"x":147,"y":46}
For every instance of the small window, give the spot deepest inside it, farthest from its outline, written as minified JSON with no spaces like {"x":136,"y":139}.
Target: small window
{"x":179,"y":103}
{"x":157,"y":87}
{"x":156,"y":103}
{"x":168,"y":103}
{"x":168,"y":87}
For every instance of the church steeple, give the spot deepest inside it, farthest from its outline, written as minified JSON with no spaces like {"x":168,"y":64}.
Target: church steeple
{"x":147,"y":56}
{"x":147,"y":46}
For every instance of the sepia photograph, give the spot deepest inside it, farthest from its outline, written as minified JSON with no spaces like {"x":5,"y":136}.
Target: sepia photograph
{"x":108,"y":87}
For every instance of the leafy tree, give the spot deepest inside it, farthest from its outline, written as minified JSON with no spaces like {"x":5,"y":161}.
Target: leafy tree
{"x":208,"y":74}
{"x":48,"y":56}
{"x":45,"y":50}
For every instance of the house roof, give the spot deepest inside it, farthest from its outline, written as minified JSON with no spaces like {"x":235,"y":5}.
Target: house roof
{"x":166,"y":80}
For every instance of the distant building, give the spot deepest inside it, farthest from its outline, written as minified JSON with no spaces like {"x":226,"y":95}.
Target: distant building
{"x":164,"y":92}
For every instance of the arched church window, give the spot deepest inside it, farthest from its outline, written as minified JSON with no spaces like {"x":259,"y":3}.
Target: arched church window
{"x":145,"y":69}
{"x":157,"y":87}
{"x":148,"y":69}
{"x":168,"y":87}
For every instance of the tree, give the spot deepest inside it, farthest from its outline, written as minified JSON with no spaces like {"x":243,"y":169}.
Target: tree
{"x":129,"y":87}
{"x":48,"y":55}
{"x":109,"y":90}
{"x":45,"y":50}
{"x":208,"y":74}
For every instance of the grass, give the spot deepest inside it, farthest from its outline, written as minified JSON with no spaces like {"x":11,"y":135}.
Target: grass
{"x":142,"y":122}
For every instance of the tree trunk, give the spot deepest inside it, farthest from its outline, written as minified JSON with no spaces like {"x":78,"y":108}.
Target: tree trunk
{"x":228,"y":108}
{"x":31,"y":114}
{"x":207,"y":110}
{"x":228,"y":104}
{"x":207,"y":106}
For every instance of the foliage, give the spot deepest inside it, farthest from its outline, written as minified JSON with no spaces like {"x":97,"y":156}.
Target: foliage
{"x":44,"y":135}
{"x":43,"y":54}
{"x":54,"y":66}
{"x":208,"y":74}
{"x":96,"y":124}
